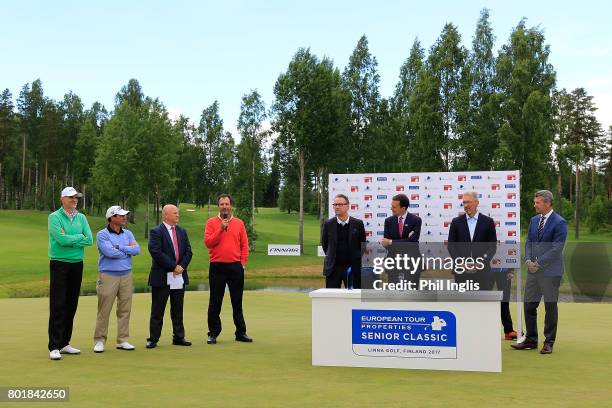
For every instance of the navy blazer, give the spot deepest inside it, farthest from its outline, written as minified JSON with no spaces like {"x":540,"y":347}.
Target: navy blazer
{"x":459,"y":232}
{"x":329,"y":242}
{"x":548,"y":250}
{"x":412,"y":223}
{"x":163,"y":259}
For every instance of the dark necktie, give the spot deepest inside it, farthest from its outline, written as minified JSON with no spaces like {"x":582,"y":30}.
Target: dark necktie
{"x":541,"y":226}
{"x":400,"y":226}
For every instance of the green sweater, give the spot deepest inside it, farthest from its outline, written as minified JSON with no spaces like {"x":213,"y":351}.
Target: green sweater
{"x":67,"y":238}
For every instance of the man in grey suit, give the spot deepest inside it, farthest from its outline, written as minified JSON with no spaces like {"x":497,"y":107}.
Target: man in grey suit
{"x":544,"y":258}
{"x":342,"y":239}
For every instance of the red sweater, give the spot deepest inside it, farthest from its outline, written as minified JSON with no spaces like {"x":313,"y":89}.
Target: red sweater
{"x":226,"y":246}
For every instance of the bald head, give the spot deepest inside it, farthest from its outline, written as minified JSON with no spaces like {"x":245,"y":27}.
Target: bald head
{"x":170,"y":214}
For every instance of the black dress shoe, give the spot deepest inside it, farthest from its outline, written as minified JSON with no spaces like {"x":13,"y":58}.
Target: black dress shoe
{"x":151,"y":344}
{"x":244,"y":338}
{"x":526,"y":345}
{"x":211,"y":340}
{"x":181,"y":342}
{"x":547,"y":348}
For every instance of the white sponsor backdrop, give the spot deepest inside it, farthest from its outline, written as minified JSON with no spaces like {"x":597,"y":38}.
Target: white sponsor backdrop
{"x":437,"y":198}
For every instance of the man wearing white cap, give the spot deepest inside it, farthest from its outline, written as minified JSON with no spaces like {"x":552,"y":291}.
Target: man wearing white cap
{"x":69,"y":234}
{"x":116,"y":246}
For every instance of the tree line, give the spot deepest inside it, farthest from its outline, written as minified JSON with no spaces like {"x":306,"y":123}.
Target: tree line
{"x":454,"y":108}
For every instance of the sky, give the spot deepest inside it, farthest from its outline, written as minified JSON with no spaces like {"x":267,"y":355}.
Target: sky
{"x":191,"y":53}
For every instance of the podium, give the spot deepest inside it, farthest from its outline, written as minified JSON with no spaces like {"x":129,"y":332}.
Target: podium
{"x":409,"y":330}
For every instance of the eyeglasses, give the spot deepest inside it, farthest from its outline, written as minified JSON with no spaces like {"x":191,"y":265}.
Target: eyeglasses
{"x":339,"y":204}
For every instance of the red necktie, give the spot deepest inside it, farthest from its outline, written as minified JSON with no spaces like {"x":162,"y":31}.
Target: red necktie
{"x":400,"y":226}
{"x":175,"y":242}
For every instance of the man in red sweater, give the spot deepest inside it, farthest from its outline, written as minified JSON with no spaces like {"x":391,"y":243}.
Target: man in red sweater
{"x":228,"y":250}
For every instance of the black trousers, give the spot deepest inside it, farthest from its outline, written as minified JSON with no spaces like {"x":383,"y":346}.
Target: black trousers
{"x":338,"y":277}
{"x":159,"y":298}
{"x":536,"y":287}
{"x":504,"y":284}
{"x":219,"y":275}
{"x":64,"y":289}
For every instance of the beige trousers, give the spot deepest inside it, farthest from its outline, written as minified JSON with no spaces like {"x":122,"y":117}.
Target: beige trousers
{"x":109,"y":288}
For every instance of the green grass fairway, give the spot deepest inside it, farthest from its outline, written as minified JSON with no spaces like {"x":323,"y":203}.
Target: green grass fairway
{"x":275,"y":371}
{"x":25,"y":268}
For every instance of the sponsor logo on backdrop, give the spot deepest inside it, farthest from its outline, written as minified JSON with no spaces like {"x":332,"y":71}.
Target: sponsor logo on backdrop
{"x":495,"y":186}
{"x":354,"y":189}
{"x":414,"y":205}
{"x":414,"y":197}
{"x":510,"y":177}
{"x":367,"y":197}
{"x":475,"y":177}
{"x":381,"y":178}
{"x":382,"y":215}
{"x":354,"y":207}
{"x":509,"y":185}
{"x":512,"y":233}
{"x":510,"y":223}
{"x":448,"y":187}
{"x":510,"y":204}
{"x":511,"y":215}
{"x":381,"y":197}
{"x":461,"y":178}
{"x":367,"y":179}
{"x":494,"y":205}
{"x":414,"y":179}
{"x":511,"y":196}
{"x":399,"y":188}
{"x":367,"y":216}
{"x":448,"y":206}
{"x":413,"y":187}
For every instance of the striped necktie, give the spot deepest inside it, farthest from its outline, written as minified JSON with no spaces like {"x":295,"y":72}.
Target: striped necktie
{"x":541,"y":226}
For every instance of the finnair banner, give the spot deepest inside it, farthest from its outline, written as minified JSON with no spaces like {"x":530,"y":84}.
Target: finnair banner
{"x":283,"y":250}
{"x":404,"y":333}
{"x":437,"y":198}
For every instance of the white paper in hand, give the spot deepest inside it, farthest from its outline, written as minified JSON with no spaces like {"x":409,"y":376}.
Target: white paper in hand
{"x":175,"y":282}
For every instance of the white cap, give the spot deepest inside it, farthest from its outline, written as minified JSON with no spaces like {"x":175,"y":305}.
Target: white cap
{"x":115,"y":210}
{"x":70,"y":192}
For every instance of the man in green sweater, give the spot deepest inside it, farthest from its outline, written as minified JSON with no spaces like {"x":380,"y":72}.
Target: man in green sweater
{"x":69,"y":234}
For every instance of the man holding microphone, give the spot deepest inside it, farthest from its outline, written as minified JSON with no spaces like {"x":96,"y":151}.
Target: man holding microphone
{"x":228,"y":249}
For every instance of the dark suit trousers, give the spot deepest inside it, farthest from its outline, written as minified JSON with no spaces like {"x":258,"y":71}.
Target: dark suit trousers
{"x":64,"y":289}
{"x":159,"y":298}
{"x":536,"y":287}
{"x":219,"y":275}
{"x":504,"y":284}
{"x":338,"y":277}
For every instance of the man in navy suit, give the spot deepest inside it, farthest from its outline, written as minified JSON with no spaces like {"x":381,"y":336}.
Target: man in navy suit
{"x":342,"y":239}
{"x":170,"y":253}
{"x":473,"y":235}
{"x":544,"y":258}
{"x":401,"y":235}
